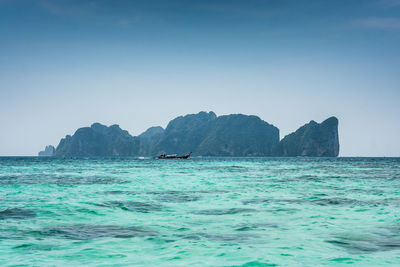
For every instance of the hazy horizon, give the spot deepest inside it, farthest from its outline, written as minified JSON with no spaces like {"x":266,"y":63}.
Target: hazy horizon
{"x":68,"y":64}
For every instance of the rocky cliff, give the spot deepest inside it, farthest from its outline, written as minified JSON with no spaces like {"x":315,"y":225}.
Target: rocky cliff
{"x":185,"y":133}
{"x":97,"y":141}
{"x":239,"y":135}
{"x":49,"y":151}
{"x":149,"y":139}
{"x":312,"y":140}
{"x":206,"y":134}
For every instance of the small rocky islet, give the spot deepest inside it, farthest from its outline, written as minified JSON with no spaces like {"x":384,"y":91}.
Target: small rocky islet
{"x":206,"y":134}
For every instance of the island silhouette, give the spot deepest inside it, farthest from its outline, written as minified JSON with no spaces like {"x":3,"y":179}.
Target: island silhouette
{"x":205,"y":134}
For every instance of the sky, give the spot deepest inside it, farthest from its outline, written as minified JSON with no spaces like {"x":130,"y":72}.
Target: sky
{"x":68,"y":64}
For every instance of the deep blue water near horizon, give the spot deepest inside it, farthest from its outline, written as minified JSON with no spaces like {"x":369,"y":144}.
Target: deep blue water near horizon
{"x":200,"y":212}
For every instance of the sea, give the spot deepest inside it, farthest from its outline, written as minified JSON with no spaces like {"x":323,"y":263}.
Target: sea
{"x":199,"y":212}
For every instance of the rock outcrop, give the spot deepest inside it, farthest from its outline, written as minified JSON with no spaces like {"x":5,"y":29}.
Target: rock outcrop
{"x":47,"y":152}
{"x":311,"y":140}
{"x":206,"y":134}
{"x":239,"y":135}
{"x":185,"y":133}
{"x":98,"y":141}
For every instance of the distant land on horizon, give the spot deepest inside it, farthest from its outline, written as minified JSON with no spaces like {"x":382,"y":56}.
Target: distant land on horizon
{"x":204,"y":134}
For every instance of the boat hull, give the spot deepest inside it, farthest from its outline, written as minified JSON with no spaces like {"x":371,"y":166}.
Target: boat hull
{"x":174,"y":156}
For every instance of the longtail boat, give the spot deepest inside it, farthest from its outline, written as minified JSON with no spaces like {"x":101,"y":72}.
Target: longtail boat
{"x":164,"y":156}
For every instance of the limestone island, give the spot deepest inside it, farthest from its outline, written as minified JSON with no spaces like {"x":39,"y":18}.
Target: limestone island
{"x":205,"y":134}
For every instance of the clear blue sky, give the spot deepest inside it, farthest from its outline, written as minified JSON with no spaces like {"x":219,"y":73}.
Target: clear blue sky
{"x":67,"y":64}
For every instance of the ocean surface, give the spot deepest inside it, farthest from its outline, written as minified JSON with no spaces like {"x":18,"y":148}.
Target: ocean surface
{"x":200,"y":212}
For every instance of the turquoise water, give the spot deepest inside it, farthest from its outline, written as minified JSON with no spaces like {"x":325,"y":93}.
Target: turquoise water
{"x":200,"y":212}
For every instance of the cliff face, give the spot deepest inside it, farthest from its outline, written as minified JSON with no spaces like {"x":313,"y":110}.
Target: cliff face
{"x":184,"y":134}
{"x":239,"y":135}
{"x":98,"y":140}
{"x":149,"y":139}
{"x":312,"y":140}
{"x":208,"y":135}
{"x":49,"y":151}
